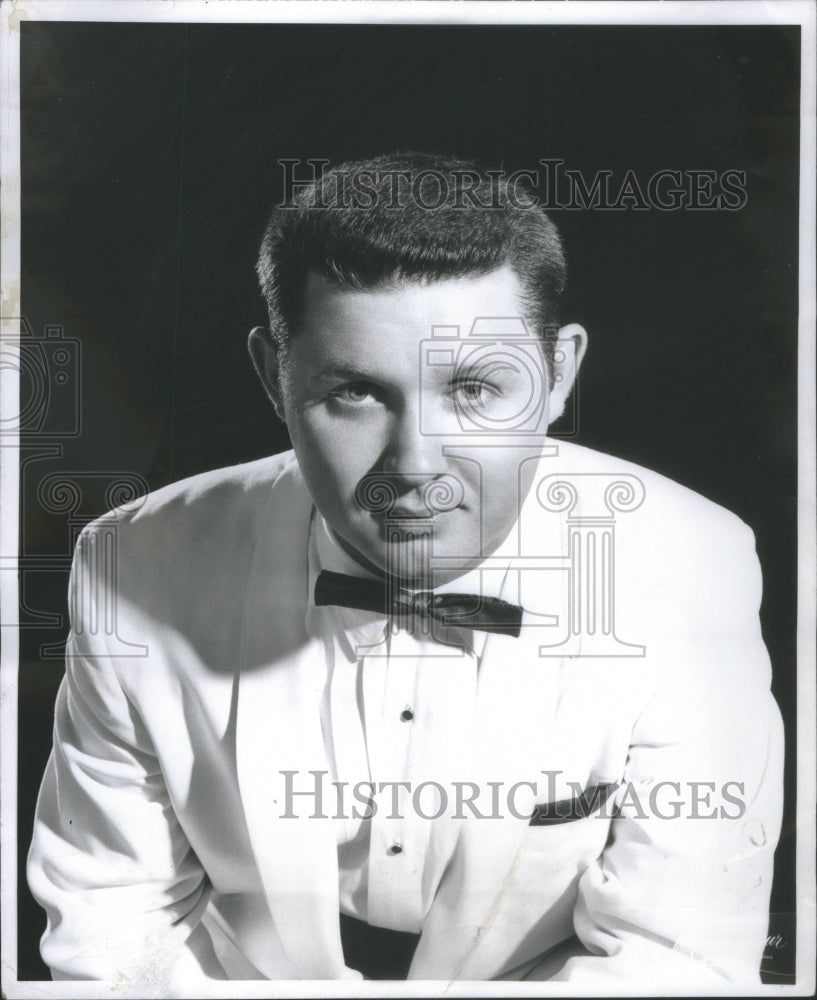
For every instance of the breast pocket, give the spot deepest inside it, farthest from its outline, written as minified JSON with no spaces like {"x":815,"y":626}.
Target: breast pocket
{"x":589,"y":802}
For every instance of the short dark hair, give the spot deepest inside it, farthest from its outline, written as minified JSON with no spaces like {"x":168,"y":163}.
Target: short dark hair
{"x":409,"y":217}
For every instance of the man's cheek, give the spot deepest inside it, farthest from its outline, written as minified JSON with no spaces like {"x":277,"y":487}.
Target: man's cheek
{"x":502,"y":492}
{"x":340,"y":443}
{"x":335,"y":470}
{"x":321,"y":442}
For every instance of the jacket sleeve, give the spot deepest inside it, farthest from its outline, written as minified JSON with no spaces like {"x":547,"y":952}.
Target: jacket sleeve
{"x":681,"y":893}
{"x":122,"y":889}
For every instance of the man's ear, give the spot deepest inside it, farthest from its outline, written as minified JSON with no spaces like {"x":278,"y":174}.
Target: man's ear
{"x":264,"y":356}
{"x":569,"y":350}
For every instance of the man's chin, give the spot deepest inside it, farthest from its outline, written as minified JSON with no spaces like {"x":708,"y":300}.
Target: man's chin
{"x":408,"y":554}
{"x":405,"y":556}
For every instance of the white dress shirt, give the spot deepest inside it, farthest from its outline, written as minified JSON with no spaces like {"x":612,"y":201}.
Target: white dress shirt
{"x":399,"y":707}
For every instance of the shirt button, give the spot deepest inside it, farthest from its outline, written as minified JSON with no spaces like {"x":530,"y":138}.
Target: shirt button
{"x":396,"y":849}
{"x":406,"y":715}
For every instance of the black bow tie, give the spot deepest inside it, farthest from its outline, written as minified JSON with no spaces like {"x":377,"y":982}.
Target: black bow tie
{"x":488,"y":614}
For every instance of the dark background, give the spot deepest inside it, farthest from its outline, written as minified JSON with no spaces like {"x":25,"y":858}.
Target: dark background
{"x":149,"y":163}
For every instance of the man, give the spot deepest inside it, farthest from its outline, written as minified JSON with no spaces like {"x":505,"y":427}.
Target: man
{"x":431,"y":696}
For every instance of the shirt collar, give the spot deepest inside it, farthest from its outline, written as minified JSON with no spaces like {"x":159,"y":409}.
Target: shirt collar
{"x":352,"y":627}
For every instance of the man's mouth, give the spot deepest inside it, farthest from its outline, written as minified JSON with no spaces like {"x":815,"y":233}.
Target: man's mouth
{"x":412,"y":514}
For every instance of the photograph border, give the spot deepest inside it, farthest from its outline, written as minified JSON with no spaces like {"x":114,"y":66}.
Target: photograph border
{"x":673,"y":12}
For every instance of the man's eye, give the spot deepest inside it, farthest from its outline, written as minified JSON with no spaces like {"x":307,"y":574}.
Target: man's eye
{"x":473,"y":392}
{"x":354,"y":392}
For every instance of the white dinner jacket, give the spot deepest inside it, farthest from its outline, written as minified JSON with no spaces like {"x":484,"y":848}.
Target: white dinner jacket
{"x":159,"y":850}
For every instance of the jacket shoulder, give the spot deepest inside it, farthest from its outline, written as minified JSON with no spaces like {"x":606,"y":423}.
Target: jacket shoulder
{"x":211,"y":496}
{"x":203,"y":530}
{"x":683,"y":513}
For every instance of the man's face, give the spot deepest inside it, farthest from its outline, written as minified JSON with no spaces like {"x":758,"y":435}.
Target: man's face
{"x":368,"y":396}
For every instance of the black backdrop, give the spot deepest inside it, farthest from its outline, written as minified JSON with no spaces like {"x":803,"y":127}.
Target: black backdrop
{"x":149,"y":156}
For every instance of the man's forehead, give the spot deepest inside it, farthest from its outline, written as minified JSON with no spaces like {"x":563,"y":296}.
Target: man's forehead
{"x":465,"y":305}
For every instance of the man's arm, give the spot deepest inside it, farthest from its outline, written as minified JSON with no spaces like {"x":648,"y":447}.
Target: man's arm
{"x":109,"y":862}
{"x":685,"y":900}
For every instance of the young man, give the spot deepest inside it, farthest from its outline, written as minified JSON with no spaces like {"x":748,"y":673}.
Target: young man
{"x":431,"y":696}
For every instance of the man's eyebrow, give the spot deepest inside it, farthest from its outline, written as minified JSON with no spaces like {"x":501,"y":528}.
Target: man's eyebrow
{"x":342,"y":372}
{"x":482,"y":367}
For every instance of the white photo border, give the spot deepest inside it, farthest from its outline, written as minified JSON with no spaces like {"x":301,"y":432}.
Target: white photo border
{"x":707,"y":12}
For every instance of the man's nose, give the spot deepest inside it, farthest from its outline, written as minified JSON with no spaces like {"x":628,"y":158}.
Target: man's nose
{"x":410,"y":454}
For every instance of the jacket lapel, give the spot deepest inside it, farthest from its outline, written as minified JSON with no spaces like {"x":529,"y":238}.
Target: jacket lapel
{"x":278,"y":730}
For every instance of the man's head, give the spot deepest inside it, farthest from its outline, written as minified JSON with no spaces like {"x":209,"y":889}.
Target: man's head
{"x":410,"y":217}
{"x":417,"y":347}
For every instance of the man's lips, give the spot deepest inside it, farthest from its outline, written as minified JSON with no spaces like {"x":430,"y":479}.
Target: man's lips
{"x":411,"y":513}
{"x":414,"y":513}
